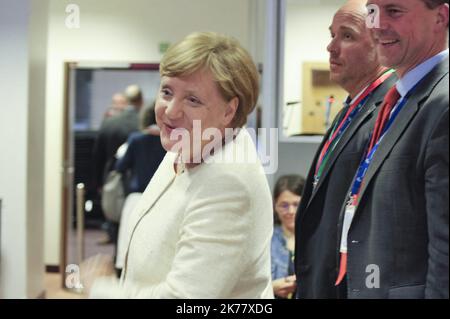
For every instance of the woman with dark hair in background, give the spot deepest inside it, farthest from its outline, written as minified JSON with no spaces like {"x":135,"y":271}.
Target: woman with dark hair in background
{"x":286,"y":197}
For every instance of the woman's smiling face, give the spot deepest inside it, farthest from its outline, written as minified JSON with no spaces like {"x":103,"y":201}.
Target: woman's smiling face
{"x":185,"y":99}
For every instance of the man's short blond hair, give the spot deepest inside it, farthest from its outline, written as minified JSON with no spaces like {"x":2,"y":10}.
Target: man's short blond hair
{"x":433,"y":4}
{"x":230,"y":64}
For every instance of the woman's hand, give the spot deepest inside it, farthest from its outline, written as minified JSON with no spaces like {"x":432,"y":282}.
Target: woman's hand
{"x":283,"y":287}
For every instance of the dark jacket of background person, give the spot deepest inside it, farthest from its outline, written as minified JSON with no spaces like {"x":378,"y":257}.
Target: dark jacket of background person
{"x":317,"y":234}
{"x":142,"y":158}
{"x":113,"y":133}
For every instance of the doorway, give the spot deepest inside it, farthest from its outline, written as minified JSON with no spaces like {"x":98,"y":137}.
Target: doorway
{"x":89,"y":87}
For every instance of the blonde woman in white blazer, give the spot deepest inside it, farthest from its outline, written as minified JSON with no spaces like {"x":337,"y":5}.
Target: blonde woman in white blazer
{"x":204,"y":224}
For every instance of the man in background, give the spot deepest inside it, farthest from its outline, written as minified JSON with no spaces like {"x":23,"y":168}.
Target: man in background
{"x":112,"y":134}
{"x":119,"y":103}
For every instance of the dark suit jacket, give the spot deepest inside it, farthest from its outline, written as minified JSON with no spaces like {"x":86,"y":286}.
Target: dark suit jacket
{"x":401,"y":222}
{"x":113,"y":133}
{"x":142,"y":158}
{"x":316,"y":257}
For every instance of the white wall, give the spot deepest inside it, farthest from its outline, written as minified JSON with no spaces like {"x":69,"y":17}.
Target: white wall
{"x":36,"y":145}
{"x":13,"y":130}
{"x":116,"y":30}
{"x":306,"y":39}
{"x":22,"y":61}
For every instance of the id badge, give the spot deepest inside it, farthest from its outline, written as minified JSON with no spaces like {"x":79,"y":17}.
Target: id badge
{"x":348,"y":217}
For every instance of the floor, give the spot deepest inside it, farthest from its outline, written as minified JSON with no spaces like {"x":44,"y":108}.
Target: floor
{"x":54,"y":290}
{"x":94,"y":251}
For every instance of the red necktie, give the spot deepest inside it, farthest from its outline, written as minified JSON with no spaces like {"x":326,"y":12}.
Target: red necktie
{"x":390,"y":100}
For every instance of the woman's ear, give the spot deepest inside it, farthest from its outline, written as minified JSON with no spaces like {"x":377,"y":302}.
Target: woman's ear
{"x":231,"y":110}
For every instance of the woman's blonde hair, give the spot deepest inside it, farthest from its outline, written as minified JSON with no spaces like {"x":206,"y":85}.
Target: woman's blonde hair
{"x":230,"y":64}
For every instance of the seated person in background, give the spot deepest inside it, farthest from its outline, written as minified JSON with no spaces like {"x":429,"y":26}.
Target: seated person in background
{"x":203,"y":226}
{"x":287,"y":194}
{"x":143,"y":154}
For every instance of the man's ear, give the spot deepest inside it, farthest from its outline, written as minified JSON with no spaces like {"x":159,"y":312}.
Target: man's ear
{"x":231,"y":110}
{"x":442,"y":17}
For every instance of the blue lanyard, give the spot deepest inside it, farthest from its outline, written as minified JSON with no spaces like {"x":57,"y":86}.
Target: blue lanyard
{"x":364,"y":166}
{"x":335,"y":139}
{"x":343,"y":124}
{"x":346,"y":124}
{"x":349,"y":119}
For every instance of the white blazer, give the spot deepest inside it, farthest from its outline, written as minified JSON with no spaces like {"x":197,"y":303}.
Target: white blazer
{"x":205,"y":233}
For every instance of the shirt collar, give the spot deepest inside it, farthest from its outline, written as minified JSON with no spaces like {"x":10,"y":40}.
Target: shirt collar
{"x":350,"y":101}
{"x":412,"y":77}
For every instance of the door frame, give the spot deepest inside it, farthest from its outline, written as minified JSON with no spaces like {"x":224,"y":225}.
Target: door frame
{"x":68,"y":169}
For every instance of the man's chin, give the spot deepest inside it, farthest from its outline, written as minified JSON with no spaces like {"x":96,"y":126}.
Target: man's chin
{"x":335,"y":78}
{"x":387,"y":61}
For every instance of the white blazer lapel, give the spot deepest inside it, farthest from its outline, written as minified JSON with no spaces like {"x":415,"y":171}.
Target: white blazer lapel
{"x":163,"y":177}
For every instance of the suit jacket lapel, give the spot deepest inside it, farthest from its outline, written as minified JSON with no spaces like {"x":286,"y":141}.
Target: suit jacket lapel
{"x":371,"y":104}
{"x":404,"y":118}
{"x":309,"y":189}
{"x":163,"y":178}
{"x":157,"y":189}
{"x":359,"y":120}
